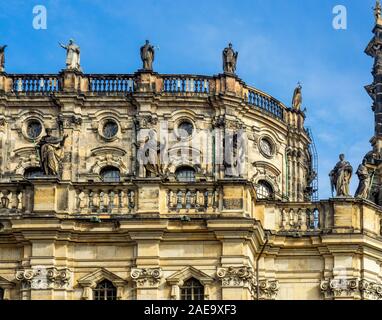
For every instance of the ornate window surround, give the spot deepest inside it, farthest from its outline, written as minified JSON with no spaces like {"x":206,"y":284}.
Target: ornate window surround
{"x":6,"y":285}
{"x":90,"y":281}
{"x":177,"y":279}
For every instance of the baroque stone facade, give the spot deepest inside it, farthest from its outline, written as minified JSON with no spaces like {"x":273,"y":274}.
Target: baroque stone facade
{"x":170,"y":187}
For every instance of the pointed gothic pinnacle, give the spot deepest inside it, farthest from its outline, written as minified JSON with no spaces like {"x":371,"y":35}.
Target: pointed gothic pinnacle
{"x":377,"y":11}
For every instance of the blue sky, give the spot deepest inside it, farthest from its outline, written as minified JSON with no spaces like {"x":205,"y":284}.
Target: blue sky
{"x":280,"y":42}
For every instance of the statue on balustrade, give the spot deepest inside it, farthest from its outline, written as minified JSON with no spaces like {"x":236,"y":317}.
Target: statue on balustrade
{"x":147,"y":56}
{"x":72,"y":56}
{"x":297,"y":98}
{"x":2,"y":58}
{"x":149,"y":155}
{"x":229,"y":59}
{"x":364,"y":181}
{"x":340,"y":177}
{"x":51,"y":153}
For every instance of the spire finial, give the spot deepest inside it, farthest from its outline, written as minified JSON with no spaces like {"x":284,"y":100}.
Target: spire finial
{"x":377,"y":11}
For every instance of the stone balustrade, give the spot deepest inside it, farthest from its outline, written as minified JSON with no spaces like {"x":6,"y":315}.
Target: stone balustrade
{"x":35,"y":83}
{"x":104,"y":199}
{"x":169,"y":84}
{"x":186,"y":83}
{"x":265,"y":103}
{"x":14,"y":199}
{"x":103,"y":83}
{"x":193,"y":200}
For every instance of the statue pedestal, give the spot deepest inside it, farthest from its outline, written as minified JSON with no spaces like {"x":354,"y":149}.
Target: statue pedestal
{"x":45,"y":194}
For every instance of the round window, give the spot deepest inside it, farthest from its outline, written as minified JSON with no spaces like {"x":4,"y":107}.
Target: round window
{"x":185,"y":129}
{"x":34,"y":129}
{"x":110,"y":129}
{"x":266,"y":147}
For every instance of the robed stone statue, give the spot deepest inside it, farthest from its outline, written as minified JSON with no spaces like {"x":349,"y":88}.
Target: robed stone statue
{"x":51,"y":153}
{"x":340,"y":177}
{"x":149,"y":155}
{"x":72,"y":55}
{"x":229,"y":59}
{"x":364,"y":181}
{"x":297,"y":98}
{"x":147,"y":56}
{"x":2,"y":58}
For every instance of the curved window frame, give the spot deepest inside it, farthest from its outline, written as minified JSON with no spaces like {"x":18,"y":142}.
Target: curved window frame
{"x":113,"y":176}
{"x":105,"y":290}
{"x":27,"y":130}
{"x":116,"y":128}
{"x":263,"y":184}
{"x":185,"y":174}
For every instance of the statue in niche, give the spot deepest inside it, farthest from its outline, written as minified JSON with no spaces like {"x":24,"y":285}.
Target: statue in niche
{"x":147,"y":56}
{"x":340,"y":177}
{"x":297,"y":98}
{"x":2,"y":58}
{"x":72,"y":55}
{"x":364,"y":181}
{"x":229,"y":59}
{"x":51,"y":153}
{"x":149,"y":155}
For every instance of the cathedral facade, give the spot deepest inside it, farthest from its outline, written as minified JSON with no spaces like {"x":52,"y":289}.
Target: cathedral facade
{"x":184,"y":187}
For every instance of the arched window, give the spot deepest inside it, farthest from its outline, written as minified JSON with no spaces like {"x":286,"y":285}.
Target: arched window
{"x":264,"y":190}
{"x":33,"y":172}
{"x":110,"y":174}
{"x":192,"y":289}
{"x":1,"y":294}
{"x":185,"y":174}
{"x":105,"y":290}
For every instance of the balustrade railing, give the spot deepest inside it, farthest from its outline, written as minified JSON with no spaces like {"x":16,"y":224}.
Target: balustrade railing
{"x":104,"y":83}
{"x":265,"y":103}
{"x":185,"y":83}
{"x":299,"y":218}
{"x":193,"y":200}
{"x":105,"y":199}
{"x":12,"y":199}
{"x":35,"y":83}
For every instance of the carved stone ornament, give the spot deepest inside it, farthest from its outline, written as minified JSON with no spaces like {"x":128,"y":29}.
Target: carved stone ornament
{"x":235,"y":276}
{"x":40,"y":277}
{"x":245,"y":277}
{"x":58,"y":278}
{"x":145,"y":122}
{"x":146,"y":276}
{"x":335,"y":288}
{"x":268,"y":289}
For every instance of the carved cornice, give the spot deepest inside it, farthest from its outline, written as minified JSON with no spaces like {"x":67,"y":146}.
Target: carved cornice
{"x":146,"y":276}
{"x":352,"y":287}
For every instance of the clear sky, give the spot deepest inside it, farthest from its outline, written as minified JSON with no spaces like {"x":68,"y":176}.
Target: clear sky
{"x":280,"y":42}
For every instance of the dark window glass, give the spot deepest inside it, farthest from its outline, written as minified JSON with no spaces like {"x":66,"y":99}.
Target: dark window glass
{"x":185,"y":174}
{"x":264,"y":190}
{"x":105,"y":290}
{"x":110,"y":174}
{"x":110,"y":129}
{"x":185,"y":129}
{"x":34,"y":129}
{"x":33,"y":173}
{"x":1,"y":294}
{"x":192,"y":289}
